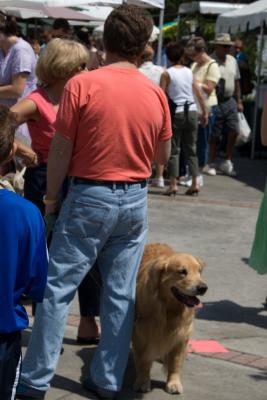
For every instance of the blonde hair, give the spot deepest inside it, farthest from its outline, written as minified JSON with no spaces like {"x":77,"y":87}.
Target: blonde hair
{"x":61,"y":59}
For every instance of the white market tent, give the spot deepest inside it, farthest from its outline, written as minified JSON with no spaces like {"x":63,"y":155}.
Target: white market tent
{"x":113,"y":3}
{"x":98,"y":13}
{"x":252,"y":16}
{"x":207,"y":7}
{"x":77,"y":3}
{"x":35,"y":9}
{"x":249,"y":17}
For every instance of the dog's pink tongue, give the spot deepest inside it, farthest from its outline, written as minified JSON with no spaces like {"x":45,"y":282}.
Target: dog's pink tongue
{"x":198,"y":306}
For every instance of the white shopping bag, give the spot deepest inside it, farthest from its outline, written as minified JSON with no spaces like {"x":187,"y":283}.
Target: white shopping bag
{"x":244,"y":131}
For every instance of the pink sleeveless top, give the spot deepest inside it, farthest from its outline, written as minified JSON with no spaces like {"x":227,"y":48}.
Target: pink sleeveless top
{"x":43,"y":130}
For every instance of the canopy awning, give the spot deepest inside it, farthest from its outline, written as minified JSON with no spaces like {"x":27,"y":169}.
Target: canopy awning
{"x":35,"y":9}
{"x":207,"y":7}
{"x":78,"y":3}
{"x":250,"y":17}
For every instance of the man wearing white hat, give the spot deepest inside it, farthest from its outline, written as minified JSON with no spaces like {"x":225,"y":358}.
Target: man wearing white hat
{"x":229,"y":101}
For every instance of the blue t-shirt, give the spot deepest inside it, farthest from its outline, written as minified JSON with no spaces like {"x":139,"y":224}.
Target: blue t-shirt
{"x":23,"y":259}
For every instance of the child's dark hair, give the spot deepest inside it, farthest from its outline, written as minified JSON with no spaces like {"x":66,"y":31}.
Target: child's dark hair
{"x":175,"y":52}
{"x":8,"y":126}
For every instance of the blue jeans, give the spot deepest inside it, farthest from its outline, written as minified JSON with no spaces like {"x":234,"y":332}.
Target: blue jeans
{"x":109,"y":224}
{"x":203,"y":139}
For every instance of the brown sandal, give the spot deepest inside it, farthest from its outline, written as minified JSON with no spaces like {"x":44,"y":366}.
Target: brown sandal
{"x":170,"y":192}
{"x":192,"y":192}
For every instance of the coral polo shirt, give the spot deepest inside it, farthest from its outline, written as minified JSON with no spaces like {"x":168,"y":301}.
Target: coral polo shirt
{"x":115,"y":118}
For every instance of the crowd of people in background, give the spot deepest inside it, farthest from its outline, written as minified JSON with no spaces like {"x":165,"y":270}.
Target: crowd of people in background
{"x":218,"y":82}
{"x":220,"y":79}
{"x":179,"y":112}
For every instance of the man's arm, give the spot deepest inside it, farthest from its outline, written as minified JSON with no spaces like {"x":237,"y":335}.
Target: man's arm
{"x":57,"y":169}
{"x":163,"y":152}
{"x":264,"y":124}
{"x":240,"y":107}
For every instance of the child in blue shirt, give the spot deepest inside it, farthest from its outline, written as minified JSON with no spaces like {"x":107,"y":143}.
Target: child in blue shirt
{"x":23,"y":264}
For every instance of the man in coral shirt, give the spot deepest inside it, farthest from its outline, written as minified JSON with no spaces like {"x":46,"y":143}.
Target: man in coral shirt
{"x":111,"y":124}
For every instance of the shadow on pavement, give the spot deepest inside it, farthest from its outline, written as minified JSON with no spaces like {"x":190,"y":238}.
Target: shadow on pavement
{"x":228,"y":311}
{"x":260,"y":376}
{"x":127,"y":393}
{"x":67,"y":384}
{"x":251,"y":172}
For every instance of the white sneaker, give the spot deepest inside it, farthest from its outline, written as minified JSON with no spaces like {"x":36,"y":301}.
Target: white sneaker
{"x":227,"y":168}
{"x":183,"y":180}
{"x":209,"y":170}
{"x":158,"y":182}
{"x":200,"y":181}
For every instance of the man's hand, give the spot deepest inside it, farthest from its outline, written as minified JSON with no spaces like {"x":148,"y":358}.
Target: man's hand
{"x":240,"y":107}
{"x":52,"y":208}
{"x":50,"y":220}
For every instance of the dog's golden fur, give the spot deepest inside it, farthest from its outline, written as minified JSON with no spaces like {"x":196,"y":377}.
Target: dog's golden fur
{"x":163,"y":324}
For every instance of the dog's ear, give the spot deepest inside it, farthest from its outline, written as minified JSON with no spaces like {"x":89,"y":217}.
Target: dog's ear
{"x":156,"y":269}
{"x":201,"y":262}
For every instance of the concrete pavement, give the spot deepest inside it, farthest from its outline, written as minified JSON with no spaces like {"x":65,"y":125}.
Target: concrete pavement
{"x":219,"y":227}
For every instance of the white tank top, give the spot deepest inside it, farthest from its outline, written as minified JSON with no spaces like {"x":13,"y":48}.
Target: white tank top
{"x":180,"y":88}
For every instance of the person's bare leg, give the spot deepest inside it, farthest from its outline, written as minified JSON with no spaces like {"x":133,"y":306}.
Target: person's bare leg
{"x":213,"y":149}
{"x":230,"y":145}
{"x":172,"y":189}
{"x":194,"y":185}
{"x":159,"y":170}
{"x":88,"y":328}
{"x":173,"y":183}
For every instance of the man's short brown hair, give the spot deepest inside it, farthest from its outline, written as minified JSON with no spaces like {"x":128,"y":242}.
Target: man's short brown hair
{"x":127,"y":31}
{"x":7,"y":132}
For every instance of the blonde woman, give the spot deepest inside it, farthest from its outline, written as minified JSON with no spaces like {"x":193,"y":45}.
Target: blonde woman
{"x":61,"y":60}
{"x":207,"y":74}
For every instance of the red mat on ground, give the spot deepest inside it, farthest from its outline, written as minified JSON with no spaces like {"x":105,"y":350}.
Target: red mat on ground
{"x":205,"y":346}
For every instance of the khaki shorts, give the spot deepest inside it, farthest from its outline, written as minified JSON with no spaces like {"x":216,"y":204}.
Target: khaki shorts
{"x":226,"y":118}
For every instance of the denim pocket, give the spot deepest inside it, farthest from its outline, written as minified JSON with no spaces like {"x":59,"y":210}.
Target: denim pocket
{"x":86,"y":220}
{"x":139,"y":220}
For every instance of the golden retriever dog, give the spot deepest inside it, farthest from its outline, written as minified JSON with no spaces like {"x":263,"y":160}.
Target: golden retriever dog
{"x":167,"y":285}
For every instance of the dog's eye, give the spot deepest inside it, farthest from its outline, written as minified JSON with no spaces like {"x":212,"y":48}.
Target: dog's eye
{"x":182,"y":271}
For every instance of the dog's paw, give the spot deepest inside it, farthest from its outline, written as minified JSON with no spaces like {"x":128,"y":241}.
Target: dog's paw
{"x":141,"y":386}
{"x":174,"y":387}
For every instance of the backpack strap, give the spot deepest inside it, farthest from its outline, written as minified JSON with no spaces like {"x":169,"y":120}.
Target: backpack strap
{"x":210,"y":64}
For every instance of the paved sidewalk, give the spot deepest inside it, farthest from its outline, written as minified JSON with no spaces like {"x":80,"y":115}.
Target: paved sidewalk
{"x":219,"y":227}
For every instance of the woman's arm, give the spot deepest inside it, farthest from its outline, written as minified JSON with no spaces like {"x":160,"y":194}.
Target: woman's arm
{"x":25,"y":110}
{"x":208,"y":87}
{"x":28,"y":156}
{"x":264,"y":124}
{"x":16,"y":88}
{"x":204,"y":112}
{"x":164,"y":81}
